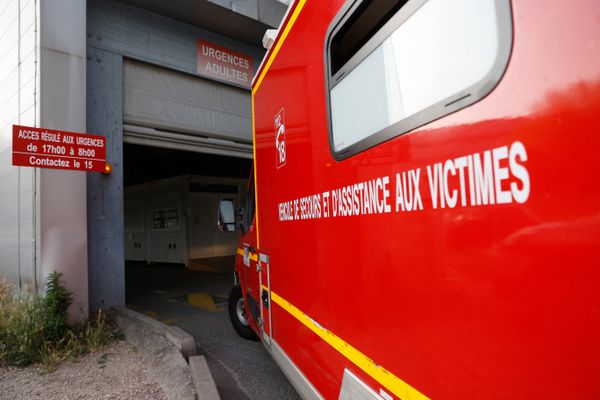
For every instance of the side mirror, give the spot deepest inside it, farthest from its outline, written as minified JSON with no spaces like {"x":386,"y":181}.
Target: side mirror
{"x":226,"y":219}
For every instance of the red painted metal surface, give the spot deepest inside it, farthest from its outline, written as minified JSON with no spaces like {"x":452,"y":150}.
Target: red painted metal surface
{"x":490,"y":301}
{"x":48,"y":148}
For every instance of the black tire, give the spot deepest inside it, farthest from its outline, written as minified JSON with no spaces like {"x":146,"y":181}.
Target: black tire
{"x":237,"y":314}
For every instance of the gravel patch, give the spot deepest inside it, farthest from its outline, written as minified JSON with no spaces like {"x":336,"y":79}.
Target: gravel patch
{"x":115,"y":373}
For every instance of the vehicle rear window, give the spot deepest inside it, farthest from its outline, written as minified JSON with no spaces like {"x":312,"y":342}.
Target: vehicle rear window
{"x":368,"y":18}
{"x":395,"y":65}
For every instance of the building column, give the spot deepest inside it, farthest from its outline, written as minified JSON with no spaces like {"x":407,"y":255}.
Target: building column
{"x":105,"y":192}
{"x":61,"y":195}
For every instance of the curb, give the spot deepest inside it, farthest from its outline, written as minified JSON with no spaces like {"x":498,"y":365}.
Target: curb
{"x":203,"y":380}
{"x":182,"y":340}
{"x":166,"y":349}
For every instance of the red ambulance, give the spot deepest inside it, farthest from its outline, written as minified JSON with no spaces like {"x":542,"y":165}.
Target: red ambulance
{"x":423,"y":219}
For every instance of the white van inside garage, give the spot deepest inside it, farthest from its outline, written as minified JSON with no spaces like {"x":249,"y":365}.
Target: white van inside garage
{"x":173,"y":220}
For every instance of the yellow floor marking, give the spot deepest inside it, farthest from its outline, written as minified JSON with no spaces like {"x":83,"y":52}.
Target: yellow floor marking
{"x":170,"y":321}
{"x":196,"y":266}
{"x":201,"y":300}
{"x":150,"y":314}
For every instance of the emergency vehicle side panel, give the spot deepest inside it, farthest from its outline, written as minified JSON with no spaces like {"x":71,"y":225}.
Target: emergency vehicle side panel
{"x":470,"y":301}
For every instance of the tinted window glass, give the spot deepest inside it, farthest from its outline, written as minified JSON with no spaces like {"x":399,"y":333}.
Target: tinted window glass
{"x":427,"y":59}
{"x":364,"y":22}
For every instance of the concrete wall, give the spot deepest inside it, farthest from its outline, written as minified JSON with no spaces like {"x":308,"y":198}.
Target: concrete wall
{"x":114,"y":31}
{"x":62,"y":194}
{"x":142,"y":35}
{"x":266,"y":11}
{"x":105,"y":192}
{"x":18,"y":105}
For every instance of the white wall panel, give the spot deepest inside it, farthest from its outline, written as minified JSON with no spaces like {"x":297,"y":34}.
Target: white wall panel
{"x":6,"y":135}
{"x":62,"y":79}
{"x":10,"y":112}
{"x":28,"y":8}
{"x":27,"y":97}
{"x":27,"y":270}
{"x":5,"y":162}
{"x":18,"y":31}
{"x":63,"y":26}
{"x":8,"y":14}
{"x":27,"y":42}
{"x":28,"y":68}
{"x":8,"y":210}
{"x":8,"y":88}
{"x":8,"y":36}
{"x":9,"y":236}
{"x":9,"y":49}
{"x":29,"y":116}
{"x":9,"y":258}
{"x":10,"y":181}
{"x":26,"y":202}
{"x":26,"y":181}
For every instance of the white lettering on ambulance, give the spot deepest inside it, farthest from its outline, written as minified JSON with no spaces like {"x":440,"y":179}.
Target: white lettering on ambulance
{"x":408,"y":195}
{"x":484,"y":191}
{"x":495,"y":176}
{"x":371,"y":197}
{"x":450,"y":199}
{"x":491,"y":178}
{"x":500,"y":174}
{"x":519,"y":171}
{"x":460,"y":163}
{"x":285,"y":211}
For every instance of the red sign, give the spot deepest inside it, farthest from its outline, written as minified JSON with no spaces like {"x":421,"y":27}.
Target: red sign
{"x":47,"y":148}
{"x":224,"y":64}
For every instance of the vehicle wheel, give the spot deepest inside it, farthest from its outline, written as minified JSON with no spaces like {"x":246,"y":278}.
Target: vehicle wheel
{"x":237,"y":314}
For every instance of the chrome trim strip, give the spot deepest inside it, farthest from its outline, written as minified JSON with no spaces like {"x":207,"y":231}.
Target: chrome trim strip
{"x":353,"y":388}
{"x":306,"y":390}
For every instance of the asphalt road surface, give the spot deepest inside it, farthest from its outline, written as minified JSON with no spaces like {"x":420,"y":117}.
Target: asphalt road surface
{"x":196,"y":300}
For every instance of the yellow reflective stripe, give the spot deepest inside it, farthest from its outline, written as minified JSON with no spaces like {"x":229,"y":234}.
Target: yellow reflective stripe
{"x":253,"y":256}
{"x":279,"y":43}
{"x":254,"y":172}
{"x":389,"y":381}
{"x":263,"y":72}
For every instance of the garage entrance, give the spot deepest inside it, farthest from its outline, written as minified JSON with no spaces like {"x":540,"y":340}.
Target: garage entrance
{"x":184,"y":138}
{"x":176,"y":260}
{"x":187,"y":144}
{"x":193,"y":296}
